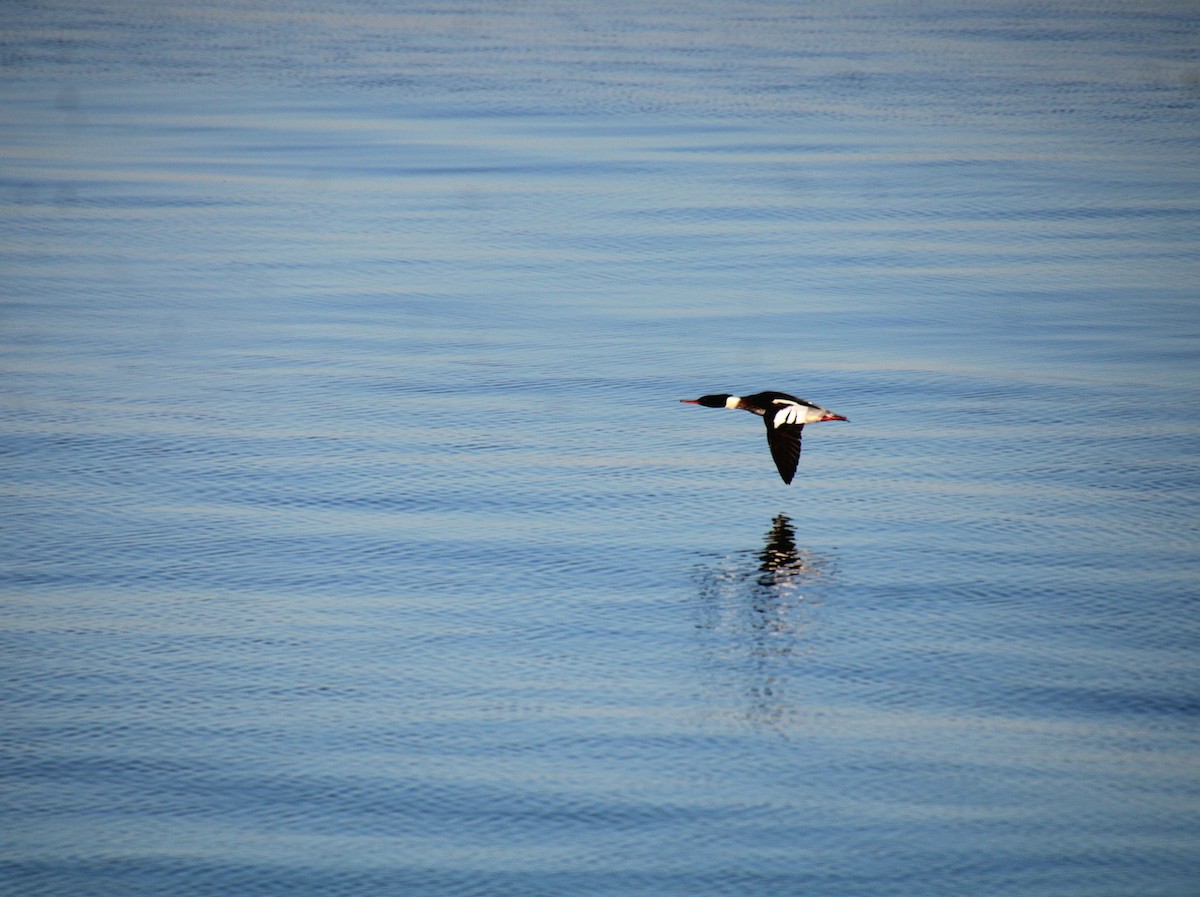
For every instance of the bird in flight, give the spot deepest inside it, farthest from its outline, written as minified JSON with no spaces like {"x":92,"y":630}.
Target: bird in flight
{"x":785,"y":417}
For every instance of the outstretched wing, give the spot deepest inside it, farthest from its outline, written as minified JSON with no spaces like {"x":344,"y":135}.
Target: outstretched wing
{"x":784,"y":441}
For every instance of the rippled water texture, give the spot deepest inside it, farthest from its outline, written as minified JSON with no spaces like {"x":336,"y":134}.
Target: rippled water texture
{"x":354,"y":539}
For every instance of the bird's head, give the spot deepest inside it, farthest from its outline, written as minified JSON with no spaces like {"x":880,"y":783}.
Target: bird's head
{"x":715,"y":401}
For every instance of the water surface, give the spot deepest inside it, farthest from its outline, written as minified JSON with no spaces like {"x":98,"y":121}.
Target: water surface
{"x":355,"y":541}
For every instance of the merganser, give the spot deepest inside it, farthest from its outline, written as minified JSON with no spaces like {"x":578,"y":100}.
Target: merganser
{"x":785,"y":417}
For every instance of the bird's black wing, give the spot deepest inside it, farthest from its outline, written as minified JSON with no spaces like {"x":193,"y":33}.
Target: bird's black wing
{"x":785,"y":447}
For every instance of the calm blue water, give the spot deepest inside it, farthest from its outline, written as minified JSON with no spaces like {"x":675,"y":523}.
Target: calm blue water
{"x":355,"y":541}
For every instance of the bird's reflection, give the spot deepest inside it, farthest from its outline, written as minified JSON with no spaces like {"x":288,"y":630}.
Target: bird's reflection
{"x":757,"y":607}
{"x":781,"y":563}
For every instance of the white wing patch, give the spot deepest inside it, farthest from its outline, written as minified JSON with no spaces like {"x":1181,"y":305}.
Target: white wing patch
{"x":790,"y":413}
